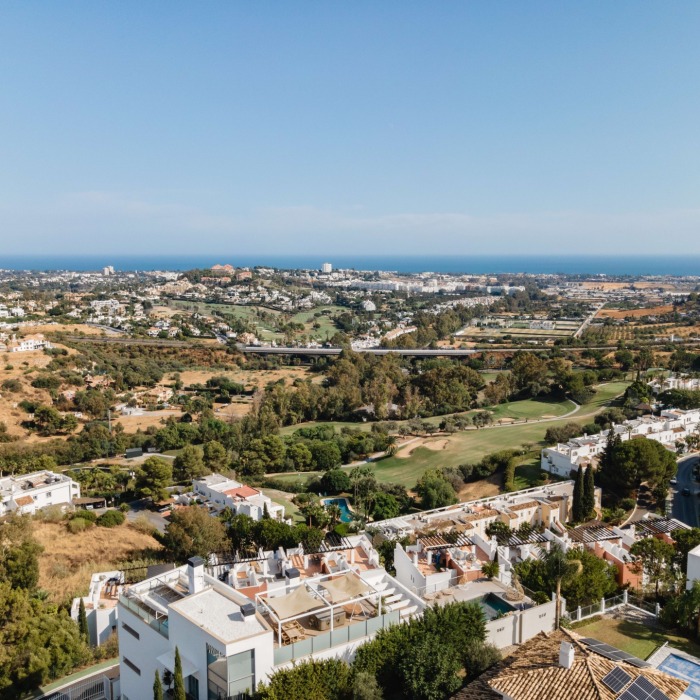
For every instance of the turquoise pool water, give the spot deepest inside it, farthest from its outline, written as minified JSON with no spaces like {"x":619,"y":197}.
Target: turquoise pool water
{"x":493,"y":605}
{"x":342,"y":503}
{"x":685,"y":670}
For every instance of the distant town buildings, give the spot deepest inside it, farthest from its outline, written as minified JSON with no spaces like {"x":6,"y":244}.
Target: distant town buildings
{"x":326,"y":268}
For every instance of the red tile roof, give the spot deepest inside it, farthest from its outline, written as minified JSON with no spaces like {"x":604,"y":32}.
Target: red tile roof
{"x":242,"y":492}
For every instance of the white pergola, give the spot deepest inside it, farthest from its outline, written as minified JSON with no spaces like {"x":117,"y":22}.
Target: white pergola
{"x":320,"y":593}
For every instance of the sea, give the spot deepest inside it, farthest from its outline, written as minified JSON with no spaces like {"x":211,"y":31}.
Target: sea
{"x":618,"y":265}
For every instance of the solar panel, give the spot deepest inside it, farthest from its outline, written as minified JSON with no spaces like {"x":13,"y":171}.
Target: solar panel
{"x":643,"y":689}
{"x":617,"y":679}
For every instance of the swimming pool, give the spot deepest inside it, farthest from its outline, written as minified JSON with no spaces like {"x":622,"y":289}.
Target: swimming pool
{"x":342,"y":503}
{"x":684,"y":669}
{"x":493,"y":605}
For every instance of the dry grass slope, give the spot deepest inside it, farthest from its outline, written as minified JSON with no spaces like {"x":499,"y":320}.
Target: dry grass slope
{"x":68,"y":561}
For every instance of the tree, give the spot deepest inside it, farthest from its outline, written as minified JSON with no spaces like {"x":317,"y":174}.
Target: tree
{"x":178,"y":680}
{"x":153,"y":479}
{"x":633,"y":462}
{"x":299,"y":456}
{"x":192,"y":532}
{"x":326,"y":455}
{"x":385,"y":506}
{"x":365,"y":687}
{"x":434,"y":490}
{"x":430,"y":669}
{"x":189,"y":464}
{"x":558,"y":568}
{"x":655,"y":559}
{"x":38,"y":642}
{"x":335,"y":481}
{"x":490,"y":569}
{"x":530,"y":373}
{"x":19,"y":553}
{"x":157,"y":688}
{"x":577,"y":510}
{"x":325,"y":679}
{"x":83,"y":623}
{"x":215,"y":456}
{"x":588,"y":499}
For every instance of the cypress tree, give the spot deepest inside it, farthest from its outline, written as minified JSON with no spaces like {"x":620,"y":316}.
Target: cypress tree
{"x":179,"y":682}
{"x":577,"y":512}
{"x":157,"y":688}
{"x":588,"y":500}
{"x":83,"y":623}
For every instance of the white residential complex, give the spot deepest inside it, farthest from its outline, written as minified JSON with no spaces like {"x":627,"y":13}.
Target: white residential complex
{"x":668,"y":428}
{"x":237,"y":621}
{"x":675,"y":381}
{"x":31,"y":492}
{"x":219,"y":492}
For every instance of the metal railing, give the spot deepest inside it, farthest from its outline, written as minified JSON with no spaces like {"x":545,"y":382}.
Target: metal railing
{"x":338,"y":637}
{"x":89,"y":689}
{"x":160,"y":625}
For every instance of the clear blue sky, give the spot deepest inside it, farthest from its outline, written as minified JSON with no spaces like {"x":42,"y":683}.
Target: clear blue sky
{"x":453,"y":127}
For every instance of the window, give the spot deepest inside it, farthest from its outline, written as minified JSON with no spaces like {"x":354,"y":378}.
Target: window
{"x":133,"y":667}
{"x":230,"y":677}
{"x":130,"y":630}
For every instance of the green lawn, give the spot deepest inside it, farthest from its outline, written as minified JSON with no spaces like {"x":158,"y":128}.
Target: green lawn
{"x":633,"y":637}
{"x":279,"y":497}
{"x":472,"y":445}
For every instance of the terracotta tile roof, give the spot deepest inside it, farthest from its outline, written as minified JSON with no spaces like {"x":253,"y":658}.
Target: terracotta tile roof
{"x":523,"y":506}
{"x":24,"y":501}
{"x":532,"y":672}
{"x":242,"y":492}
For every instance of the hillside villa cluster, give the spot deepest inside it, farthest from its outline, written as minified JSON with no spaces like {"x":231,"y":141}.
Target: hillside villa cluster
{"x":669,"y":428}
{"x":236,"y":620}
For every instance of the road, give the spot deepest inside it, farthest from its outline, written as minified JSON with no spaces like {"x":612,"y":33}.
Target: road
{"x":685,"y":508}
{"x":588,"y":320}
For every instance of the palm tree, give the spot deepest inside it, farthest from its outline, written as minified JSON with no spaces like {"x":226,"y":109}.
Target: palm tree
{"x":559,"y":568}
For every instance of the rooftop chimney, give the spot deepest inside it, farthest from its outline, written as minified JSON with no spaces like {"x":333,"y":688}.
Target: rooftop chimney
{"x":195,"y":574}
{"x":566,"y":655}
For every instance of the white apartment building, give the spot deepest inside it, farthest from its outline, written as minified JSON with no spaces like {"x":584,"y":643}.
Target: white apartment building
{"x":229,"y":641}
{"x":219,"y":492}
{"x":31,"y":492}
{"x":326,"y":268}
{"x":672,"y":425}
{"x":675,"y":381}
{"x":28,"y":345}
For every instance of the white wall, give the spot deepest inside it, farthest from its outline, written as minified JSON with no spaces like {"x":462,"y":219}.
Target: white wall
{"x":693,"y":566}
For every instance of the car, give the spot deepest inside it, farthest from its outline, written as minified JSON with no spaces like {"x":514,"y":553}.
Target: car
{"x":686,"y":492}
{"x":674,"y":481}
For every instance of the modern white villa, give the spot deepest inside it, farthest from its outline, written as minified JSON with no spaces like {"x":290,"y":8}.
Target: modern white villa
{"x":29,"y":493}
{"x":218,"y":492}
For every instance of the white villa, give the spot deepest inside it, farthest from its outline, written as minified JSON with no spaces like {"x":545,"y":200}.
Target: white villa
{"x":671,"y":426}
{"x":29,"y":493}
{"x":219,"y":492}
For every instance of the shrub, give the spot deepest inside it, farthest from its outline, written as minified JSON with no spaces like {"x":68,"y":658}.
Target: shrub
{"x":124,"y":507}
{"x":51,"y":514}
{"x":77,"y":525}
{"x":111,"y":518}
{"x":628,"y":503}
{"x":88,"y":515}
{"x":144,"y":525}
{"x":13,"y":385}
